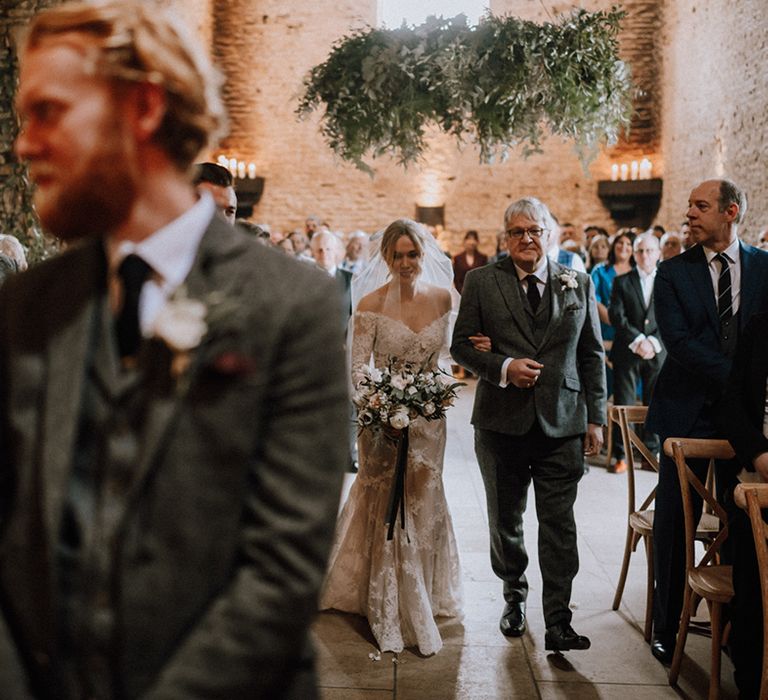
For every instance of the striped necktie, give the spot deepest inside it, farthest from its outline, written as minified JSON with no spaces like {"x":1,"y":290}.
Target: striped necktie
{"x":724,"y":300}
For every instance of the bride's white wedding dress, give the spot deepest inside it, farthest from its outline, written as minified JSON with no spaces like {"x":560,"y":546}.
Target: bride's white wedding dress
{"x":402,"y":584}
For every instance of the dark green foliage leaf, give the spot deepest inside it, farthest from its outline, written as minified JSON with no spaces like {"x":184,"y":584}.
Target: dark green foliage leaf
{"x":503,"y":83}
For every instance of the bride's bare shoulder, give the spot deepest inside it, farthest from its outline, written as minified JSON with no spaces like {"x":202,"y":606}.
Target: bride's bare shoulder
{"x":374,"y":301}
{"x":440,"y":296}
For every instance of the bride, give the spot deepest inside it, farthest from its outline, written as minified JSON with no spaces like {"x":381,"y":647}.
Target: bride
{"x":402,"y":304}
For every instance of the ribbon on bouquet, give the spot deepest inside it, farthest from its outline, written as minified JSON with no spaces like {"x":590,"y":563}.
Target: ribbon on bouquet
{"x":397,"y":494}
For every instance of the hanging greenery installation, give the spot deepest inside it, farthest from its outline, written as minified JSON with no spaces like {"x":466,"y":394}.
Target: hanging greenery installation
{"x":503,"y":83}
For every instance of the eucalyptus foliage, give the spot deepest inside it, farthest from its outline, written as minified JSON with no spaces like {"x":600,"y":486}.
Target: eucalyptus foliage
{"x":503,"y":83}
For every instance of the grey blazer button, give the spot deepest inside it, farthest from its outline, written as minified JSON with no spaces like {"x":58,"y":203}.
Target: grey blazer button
{"x":42,"y":658}
{"x":647,"y":321}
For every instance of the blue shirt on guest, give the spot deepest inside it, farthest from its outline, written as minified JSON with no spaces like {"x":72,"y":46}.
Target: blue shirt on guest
{"x":603,"y":275}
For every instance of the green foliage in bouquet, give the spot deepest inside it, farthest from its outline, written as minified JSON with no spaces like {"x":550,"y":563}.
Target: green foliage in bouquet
{"x":503,"y":83}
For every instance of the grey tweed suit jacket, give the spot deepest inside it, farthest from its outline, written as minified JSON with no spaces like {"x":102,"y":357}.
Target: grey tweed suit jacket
{"x":219,"y":549}
{"x":571,"y":389}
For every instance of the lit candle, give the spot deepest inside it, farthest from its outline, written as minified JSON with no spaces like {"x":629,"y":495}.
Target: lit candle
{"x":241,"y":169}
{"x":624,"y":171}
{"x":634,"y":168}
{"x":645,"y":169}
{"x":223,"y":161}
{"x":614,"y":172}
{"x":251,"y":170}
{"x":233,"y":166}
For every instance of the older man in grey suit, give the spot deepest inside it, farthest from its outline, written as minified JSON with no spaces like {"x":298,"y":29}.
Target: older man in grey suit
{"x":528,"y":327}
{"x":174,"y":405}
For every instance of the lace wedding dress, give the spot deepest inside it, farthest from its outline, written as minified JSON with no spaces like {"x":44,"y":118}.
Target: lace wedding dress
{"x":402,"y":584}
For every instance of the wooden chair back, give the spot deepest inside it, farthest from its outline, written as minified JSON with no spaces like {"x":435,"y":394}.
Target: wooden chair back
{"x":754,"y":498}
{"x":681,"y":449}
{"x":627,"y":417}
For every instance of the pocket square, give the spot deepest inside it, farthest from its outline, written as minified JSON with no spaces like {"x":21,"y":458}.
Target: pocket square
{"x":233,"y":364}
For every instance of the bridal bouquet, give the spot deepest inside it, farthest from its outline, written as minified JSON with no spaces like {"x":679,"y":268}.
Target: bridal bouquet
{"x":392,"y":396}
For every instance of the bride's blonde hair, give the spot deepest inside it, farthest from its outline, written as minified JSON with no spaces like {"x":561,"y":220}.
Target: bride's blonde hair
{"x":392,"y":234}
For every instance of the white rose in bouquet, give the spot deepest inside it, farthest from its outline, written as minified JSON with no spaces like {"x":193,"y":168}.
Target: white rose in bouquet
{"x":429,"y":408}
{"x":399,"y":419}
{"x":398,"y":381}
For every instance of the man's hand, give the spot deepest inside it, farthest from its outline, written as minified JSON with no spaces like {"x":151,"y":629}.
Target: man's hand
{"x":761,"y":465}
{"x":593,"y":440}
{"x":523,"y":373}
{"x":646,"y":350}
{"x":480,"y":342}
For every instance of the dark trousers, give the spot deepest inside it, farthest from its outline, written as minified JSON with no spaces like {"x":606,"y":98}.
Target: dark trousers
{"x":669,"y":534}
{"x":625,"y":378}
{"x":746,"y":607}
{"x":508,"y":464}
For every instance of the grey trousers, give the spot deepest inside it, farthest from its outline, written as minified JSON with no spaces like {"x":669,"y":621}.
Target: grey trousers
{"x":508,"y":464}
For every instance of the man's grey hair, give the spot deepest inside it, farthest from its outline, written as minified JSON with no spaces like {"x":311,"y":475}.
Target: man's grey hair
{"x":533,"y":209}
{"x":645,"y":236}
{"x":731,"y":193}
{"x":669,"y":235}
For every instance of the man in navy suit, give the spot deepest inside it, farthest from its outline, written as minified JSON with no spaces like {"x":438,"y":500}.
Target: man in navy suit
{"x":703,"y":298}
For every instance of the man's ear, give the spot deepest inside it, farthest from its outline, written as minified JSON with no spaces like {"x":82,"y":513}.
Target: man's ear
{"x":146,"y":110}
{"x":732,"y":211}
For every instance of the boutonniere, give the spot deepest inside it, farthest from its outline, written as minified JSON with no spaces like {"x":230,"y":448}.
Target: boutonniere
{"x":181,"y":325}
{"x":568,"y":279}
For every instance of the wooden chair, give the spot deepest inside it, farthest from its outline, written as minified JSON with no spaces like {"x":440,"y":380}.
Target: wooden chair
{"x":640,"y":518}
{"x":706,"y":580}
{"x":754,"y":498}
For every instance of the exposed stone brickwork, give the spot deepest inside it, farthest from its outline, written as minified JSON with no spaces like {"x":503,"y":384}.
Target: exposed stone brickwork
{"x":715,"y":92}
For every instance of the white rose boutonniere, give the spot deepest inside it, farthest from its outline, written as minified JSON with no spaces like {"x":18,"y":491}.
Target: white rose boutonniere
{"x":181,"y":325}
{"x":568,"y":279}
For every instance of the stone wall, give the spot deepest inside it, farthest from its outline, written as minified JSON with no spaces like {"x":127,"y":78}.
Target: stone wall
{"x":715,"y":92}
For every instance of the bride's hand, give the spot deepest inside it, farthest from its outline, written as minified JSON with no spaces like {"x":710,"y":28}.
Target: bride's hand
{"x":481,"y":342}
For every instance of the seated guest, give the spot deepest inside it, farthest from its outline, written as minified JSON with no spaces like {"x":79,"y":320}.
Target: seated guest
{"x":658,"y":230}
{"x":598,"y":251}
{"x":685,"y":236}
{"x":637,"y":353}
{"x":356,"y":252}
{"x":219,"y":183}
{"x":501,"y":247}
{"x":467,"y":260}
{"x":300,"y":245}
{"x":671,"y":245}
{"x":743,"y":420}
{"x":591,"y":231}
{"x":286,"y":245}
{"x":574,"y":240}
{"x":11,"y":247}
{"x":561,"y":255}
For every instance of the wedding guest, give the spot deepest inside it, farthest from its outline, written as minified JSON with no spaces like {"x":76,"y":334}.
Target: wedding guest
{"x":11,"y":247}
{"x":742,"y":417}
{"x":539,"y":408}
{"x":637,"y":352}
{"x":286,"y":245}
{"x":762,"y":239}
{"x":501,"y":247}
{"x":168,"y":488}
{"x":301,"y":245}
{"x":591,"y":231}
{"x":562,"y":255}
{"x":577,"y":238}
{"x":469,"y":259}
{"x":218,"y":181}
{"x":598,"y":251}
{"x":312,"y":225}
{"x":685,"y":236}
{"x":671,"y":245}
{"x":704,"y":298}
{"x":658,"y":230}
{"x":619,"y":262}
{"x":356,"y":252}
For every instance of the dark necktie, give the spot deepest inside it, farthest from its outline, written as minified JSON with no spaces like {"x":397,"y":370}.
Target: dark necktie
{"x":533,"y":292}
{"x":133,"y":272}
{"x":724,"y":300}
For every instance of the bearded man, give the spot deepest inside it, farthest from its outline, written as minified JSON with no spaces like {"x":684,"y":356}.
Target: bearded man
{"x":173,"y":425}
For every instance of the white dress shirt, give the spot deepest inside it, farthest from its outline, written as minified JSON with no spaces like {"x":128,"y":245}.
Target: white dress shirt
{"x":646,"y":284}
{"x":732,"y":253}
{"x":169,"y":251}
{"x":542,"y":275}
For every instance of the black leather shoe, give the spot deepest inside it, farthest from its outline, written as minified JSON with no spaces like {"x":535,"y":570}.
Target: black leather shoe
{"x":663,"y":648}
{"x":512,"y":623}
{"x":564,"y":638}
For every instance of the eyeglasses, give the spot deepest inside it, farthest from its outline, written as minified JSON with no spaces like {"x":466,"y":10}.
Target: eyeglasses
{"x":533,"y":232}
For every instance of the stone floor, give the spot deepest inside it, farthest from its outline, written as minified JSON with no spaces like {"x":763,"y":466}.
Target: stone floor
{"x":477,"y":662}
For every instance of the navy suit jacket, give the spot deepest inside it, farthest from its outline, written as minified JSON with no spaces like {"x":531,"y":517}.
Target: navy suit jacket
{"x":696,"y":370}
